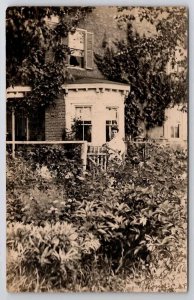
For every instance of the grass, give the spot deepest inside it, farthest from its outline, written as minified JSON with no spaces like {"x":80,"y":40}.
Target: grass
{"x":101,"y":281}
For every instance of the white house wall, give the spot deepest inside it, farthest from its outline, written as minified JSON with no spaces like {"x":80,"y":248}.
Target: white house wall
{"x":156,"y":132}
{"x":174,"y":116}
{"x":98,"y":101}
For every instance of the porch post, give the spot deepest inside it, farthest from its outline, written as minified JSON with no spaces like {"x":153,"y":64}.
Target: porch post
{"x":13,"y":133}
{"x":84,"y":154}
{"x":27,"y":128}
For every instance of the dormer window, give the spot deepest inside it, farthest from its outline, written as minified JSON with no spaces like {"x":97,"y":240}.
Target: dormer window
{"x":80,"y":43}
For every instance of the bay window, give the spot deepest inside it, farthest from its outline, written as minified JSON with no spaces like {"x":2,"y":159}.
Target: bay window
{"x":83,"y":119}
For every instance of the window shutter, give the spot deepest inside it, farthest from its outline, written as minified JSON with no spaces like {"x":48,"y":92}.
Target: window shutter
{"x":89,"y":51}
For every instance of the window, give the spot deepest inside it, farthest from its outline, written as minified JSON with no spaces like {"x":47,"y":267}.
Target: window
{"x":83,"y":119}
{"x":175,"y":131}
{"x":36,"y":126}
{"x":111,"y":119}
{"x":17,"y":126}
{"x":80,"y":43}
{"x":9,"y":126}
{"x":21,"y":127}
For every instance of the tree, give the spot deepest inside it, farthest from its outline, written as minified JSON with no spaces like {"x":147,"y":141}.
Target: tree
{"x":142,"y":62}
{"x":30,"y":38}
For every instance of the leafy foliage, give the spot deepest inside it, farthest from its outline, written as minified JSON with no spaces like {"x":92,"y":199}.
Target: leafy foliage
{"x":36,"y":178}
{"x":52,"y":250}
{"x":36,"y":51}
{"x":130,"y":220}
{"x":142,"y":62}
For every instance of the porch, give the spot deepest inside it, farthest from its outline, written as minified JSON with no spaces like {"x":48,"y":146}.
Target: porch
{"x":93,"y":158}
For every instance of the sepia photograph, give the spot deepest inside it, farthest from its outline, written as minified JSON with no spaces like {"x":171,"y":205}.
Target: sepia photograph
{"x":96,"y":149}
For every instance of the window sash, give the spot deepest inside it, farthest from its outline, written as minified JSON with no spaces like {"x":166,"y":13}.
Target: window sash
{"x":76,"y":43}
{"x":84,"y":132}
{"x":77,"y":39}
{"x":83,"y":113}
{"x":109,"y":125}
{"x":111,"y":119}
{"x":81,"y":50}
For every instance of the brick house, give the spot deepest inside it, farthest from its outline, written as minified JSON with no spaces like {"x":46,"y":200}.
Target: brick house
{"x":96,"y":102}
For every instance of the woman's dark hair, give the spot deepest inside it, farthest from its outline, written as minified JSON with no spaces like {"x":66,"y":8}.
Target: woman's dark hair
{"x":114,"y":127}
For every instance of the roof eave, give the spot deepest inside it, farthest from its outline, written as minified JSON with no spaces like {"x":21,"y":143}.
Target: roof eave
{"x":100,"y":86}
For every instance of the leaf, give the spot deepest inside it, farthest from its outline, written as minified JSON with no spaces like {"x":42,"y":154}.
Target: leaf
{"x":80,"y":178}
{"x":71,"y":255}
{"x":137,"y":250}
{"x":113,"y":225}
{"x":73,"y":236}
{"x":43,"y":259}
{"x":55,"y":241}
{"x":143,"y":221}
{"x":102,"y":231}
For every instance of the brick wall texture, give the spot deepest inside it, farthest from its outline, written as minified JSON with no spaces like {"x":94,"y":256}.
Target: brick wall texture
{"x":55,"y":120}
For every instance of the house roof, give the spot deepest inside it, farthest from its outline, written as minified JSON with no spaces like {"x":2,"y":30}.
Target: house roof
{"x":79,"y":84}
{"x":97,"y":84}
{"x":86,"y":80}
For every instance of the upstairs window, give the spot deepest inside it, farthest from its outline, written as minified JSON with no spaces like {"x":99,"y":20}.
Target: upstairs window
{"x":83,"y":119}
{"x":80,"y":43}
{"x":111,"y":119}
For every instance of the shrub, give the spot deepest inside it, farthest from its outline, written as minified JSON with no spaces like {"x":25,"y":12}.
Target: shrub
{"x":53,"y":251}
{"x":133,"y":216}
{"x":33,"y":184}
{"x":57,"y":158}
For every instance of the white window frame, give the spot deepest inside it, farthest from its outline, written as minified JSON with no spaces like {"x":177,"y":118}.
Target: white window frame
{"x":178,"y":125}
{"x":117,"y":120}
{"x":85,"y":51}
{"x":83,"y":125}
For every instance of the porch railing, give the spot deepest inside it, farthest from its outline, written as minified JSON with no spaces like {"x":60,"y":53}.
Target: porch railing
{"x":92,"y":157}
{"x":97,"y":158}
{"x":82,"y":143}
